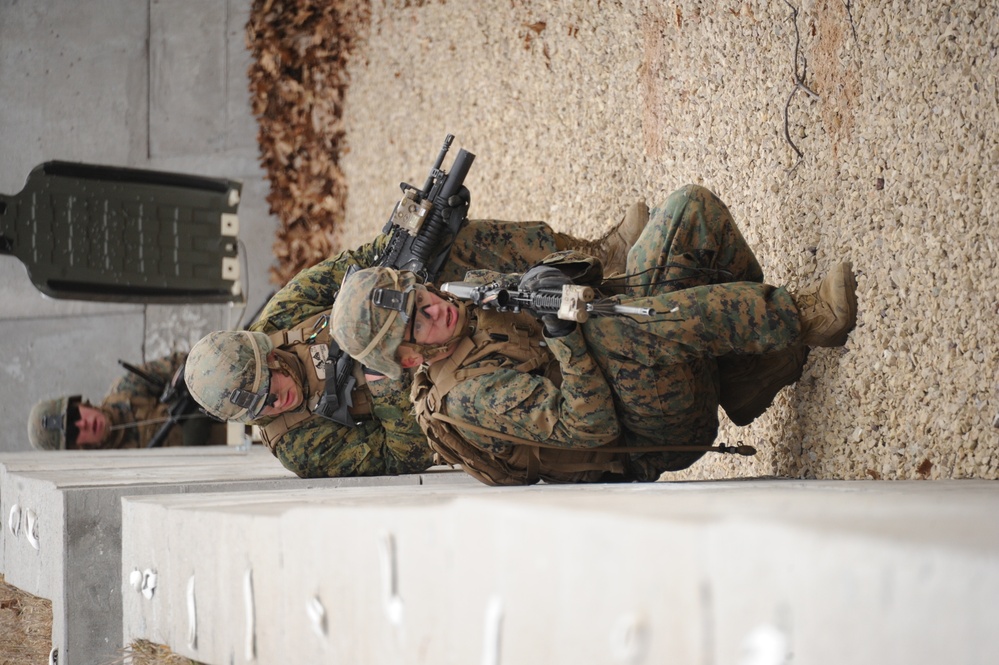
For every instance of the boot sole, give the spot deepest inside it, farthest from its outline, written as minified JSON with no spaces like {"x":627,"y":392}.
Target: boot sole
{"x":849,"y":282}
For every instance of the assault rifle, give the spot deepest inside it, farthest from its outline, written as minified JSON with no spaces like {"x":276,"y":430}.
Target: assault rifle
{"x":421,"y":230}
{"x":573,"y":302}
{"x":173,"y":393}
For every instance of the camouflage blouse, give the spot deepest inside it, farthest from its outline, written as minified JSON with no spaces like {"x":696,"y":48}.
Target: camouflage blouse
{"x":391,"y":442}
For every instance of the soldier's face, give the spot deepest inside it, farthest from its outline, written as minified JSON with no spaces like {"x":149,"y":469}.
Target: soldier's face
{"x":91,"y":427}
{"x":433,"y":320}
{"x":287,"y":393}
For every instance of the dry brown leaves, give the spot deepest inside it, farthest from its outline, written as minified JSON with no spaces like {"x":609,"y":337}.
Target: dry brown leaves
{"x":297,"y":84}
{"x":143,"y":652}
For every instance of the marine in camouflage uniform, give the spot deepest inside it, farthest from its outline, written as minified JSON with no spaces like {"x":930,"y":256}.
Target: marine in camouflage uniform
{"x":132,"y":411}
{"x":625,"y":381}
{"x":387,"y":440}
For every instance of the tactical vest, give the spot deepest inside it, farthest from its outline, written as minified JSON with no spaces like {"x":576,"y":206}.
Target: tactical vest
{"x":307,"y":344}
{"x":502,"y":341}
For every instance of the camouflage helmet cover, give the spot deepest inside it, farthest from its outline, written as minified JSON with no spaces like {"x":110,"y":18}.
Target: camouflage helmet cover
{"x":47,"y":422}
{"x":368,"y":331}
{"x":224,"y":361}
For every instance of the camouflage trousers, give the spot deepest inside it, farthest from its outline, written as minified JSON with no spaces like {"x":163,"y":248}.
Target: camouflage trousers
{"x":694,"y":268}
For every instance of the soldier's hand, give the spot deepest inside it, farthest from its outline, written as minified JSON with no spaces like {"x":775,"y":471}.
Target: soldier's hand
{"x":556,"y":327}
{"x":548,"y":278}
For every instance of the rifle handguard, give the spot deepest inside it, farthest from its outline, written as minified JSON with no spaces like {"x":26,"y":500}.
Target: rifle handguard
{"x":574,"y":300}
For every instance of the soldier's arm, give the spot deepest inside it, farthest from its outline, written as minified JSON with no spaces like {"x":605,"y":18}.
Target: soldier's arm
{"x":320,"y":448}
{"x":403,"y":447}
{"x":579,"y":414}
{"x":314,"y":289}
{"x":390,"y":442}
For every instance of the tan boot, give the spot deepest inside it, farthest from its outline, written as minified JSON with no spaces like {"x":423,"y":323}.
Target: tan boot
{"x":612,"y":248}
{"x":828,"y":309}
{"x":750,"y":383}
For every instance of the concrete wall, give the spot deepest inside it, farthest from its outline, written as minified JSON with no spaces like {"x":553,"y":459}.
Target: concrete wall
{"x":146,"y":84}
{"x":61,"y":536}
{"x":763,"y":572}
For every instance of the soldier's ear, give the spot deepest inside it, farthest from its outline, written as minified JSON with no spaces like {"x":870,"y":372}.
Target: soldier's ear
{"x":409,"y":358}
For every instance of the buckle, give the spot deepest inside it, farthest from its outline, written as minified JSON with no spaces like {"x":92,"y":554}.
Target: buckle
{"x":391,"y":299}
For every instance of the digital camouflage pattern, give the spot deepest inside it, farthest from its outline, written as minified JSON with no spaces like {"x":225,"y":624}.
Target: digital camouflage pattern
{"x":370,"y":333}
{"x":133,"y":401}
{"x":579,"y":413}
{"x":391,"y":442}
{"x":226,"y":360}
{"x":655,"y":380}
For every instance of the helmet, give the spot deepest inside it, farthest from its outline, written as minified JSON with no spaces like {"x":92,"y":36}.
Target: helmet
{"x":370,"y":314}
{"x":48,"y":422}
{"x":224,"y":365}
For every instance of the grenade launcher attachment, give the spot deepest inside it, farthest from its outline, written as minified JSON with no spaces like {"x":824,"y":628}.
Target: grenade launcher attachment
{"x":421,"y":231}
{"x":424,"y":223}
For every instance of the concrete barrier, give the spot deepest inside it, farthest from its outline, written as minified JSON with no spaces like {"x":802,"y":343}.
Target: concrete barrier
{"x":754,"y":572}
{"x":62,"y":524}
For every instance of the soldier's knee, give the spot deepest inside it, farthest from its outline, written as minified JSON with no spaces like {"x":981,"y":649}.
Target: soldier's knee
{"x":698,"y":193}
{"x":679,"y":199}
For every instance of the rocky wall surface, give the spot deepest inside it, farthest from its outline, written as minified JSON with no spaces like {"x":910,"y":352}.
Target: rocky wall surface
{"x":833,"y":130}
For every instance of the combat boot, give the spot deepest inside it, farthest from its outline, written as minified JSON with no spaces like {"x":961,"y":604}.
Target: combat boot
{"x":749,"y":383}
{"x":828,"y":309}
{"x":612,"y":248}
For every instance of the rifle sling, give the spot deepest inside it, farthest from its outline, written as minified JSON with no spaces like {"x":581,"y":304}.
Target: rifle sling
{"x":456,"y":422}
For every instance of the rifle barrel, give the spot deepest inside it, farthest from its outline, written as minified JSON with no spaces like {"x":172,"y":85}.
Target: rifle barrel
{"x":436,"y":169}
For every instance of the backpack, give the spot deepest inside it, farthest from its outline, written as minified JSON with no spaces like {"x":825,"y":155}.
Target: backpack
{"x":511,"y":339}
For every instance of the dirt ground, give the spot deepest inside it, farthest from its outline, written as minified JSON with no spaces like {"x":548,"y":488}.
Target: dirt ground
{"x":26,"y":634}
{"x":833,"y":130}
{"x":25,"y":627}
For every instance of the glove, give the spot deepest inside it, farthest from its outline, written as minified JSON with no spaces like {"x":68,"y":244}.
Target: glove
{"x":548,"y":278}
{"x":556,"y":327}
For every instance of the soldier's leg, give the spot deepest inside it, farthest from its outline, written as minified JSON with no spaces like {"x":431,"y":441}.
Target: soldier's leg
{"x":516,"y":246}
{"x":663,"y":371}
{"x":705,"y":321}
{"x":691,"y":240}
{"x":749,"y":384}
{"x":663,"y":405}
{"x":694,"y":238}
